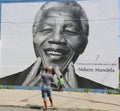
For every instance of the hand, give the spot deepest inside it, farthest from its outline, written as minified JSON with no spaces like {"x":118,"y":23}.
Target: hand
{"x":70,"y":80}
{"x":32,"y":78}
{"x":71,"y":76}
{"x":56,"y":75}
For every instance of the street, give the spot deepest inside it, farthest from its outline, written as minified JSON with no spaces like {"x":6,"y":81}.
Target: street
{"x":34,"y":109}
{"x":40,"y":109}
{"x":17,"y":109}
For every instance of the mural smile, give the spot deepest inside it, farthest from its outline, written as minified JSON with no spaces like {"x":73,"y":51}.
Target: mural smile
{"x":56,"y":52}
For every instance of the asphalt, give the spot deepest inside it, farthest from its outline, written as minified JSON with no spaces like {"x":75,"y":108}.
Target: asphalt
{"x":62,"y":100}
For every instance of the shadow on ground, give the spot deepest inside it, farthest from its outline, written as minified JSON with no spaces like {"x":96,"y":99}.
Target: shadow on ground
{"x":41,"y":108}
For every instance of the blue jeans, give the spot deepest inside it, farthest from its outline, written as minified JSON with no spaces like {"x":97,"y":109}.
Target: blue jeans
{"x":46,"y":92}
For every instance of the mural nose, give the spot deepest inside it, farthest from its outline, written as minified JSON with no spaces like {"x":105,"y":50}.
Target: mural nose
{"x":58,"y":39}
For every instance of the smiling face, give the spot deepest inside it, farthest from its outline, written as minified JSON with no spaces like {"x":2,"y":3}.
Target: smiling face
{"x":58,"y":38}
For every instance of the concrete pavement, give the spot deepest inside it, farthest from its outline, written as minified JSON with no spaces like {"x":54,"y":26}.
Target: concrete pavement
{"x":16,"y":109}
{"x":32,"y":98}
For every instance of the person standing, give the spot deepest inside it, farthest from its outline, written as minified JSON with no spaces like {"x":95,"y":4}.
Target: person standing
{"x":60,"y":83}
{"x":47,"y":79}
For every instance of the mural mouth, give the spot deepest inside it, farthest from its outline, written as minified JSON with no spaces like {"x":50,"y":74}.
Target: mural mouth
{"x":56,"y":55}
{"x":56,"y":52}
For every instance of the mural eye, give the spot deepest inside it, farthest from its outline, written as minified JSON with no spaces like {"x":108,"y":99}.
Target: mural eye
{"x":69,"y":32}
{"x":46,"y":31}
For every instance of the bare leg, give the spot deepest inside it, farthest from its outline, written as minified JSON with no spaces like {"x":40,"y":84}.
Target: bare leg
{"x":51,"y":101}
{"x":45,"y":104}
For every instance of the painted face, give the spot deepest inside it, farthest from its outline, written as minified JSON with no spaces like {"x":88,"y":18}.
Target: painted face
{"x":57,"y":38}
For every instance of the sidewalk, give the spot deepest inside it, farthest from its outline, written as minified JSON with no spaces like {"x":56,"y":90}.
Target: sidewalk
{"x":24,"y":98}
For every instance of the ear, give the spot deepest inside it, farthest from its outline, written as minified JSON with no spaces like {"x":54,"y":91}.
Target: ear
{"x":35,"y":50}
{"x":80,"y":50}
{"x":83,"y":46}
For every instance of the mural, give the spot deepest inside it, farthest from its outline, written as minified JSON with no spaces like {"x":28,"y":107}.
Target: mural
{"x":77,"y":39}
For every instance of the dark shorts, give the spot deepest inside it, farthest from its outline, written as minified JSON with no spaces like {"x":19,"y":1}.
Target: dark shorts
{"x":46,"y":92}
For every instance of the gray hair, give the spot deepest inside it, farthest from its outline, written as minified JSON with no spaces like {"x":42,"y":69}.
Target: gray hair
{"x":71,"y":6}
